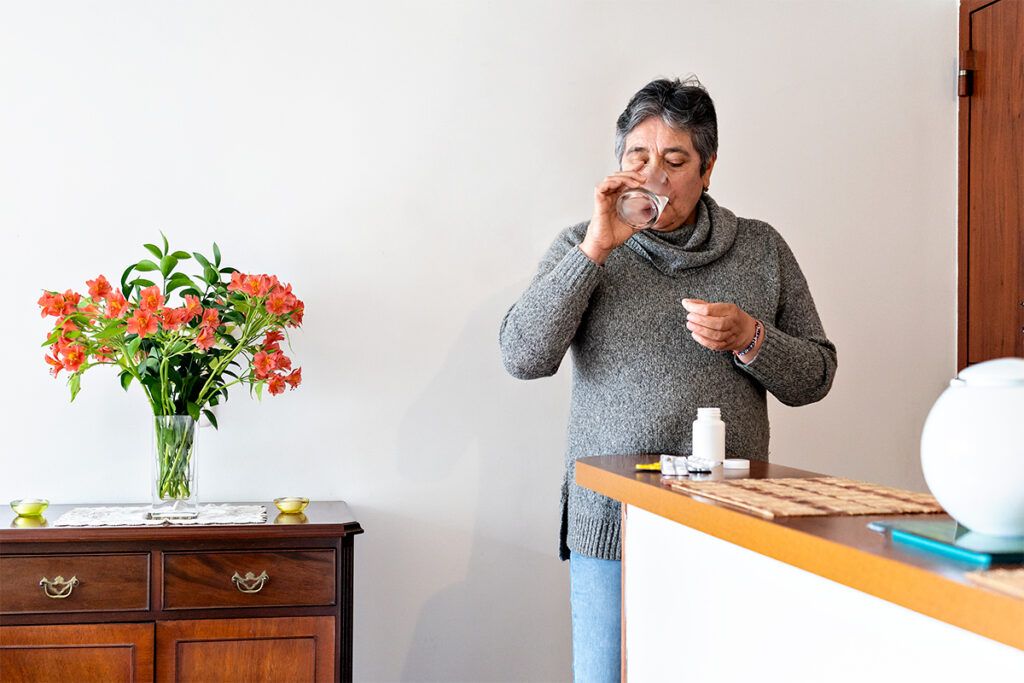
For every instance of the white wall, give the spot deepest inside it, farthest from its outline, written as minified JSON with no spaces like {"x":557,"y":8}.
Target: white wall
{"x":405,"y":165}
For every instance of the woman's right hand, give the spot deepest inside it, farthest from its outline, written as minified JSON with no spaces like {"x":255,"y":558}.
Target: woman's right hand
{"x":606,"y":231}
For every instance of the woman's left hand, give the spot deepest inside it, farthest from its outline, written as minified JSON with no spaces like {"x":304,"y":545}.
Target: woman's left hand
{"x":719,"y":326}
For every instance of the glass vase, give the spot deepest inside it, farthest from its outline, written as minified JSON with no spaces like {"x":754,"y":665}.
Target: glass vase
{"x":175,"y":490}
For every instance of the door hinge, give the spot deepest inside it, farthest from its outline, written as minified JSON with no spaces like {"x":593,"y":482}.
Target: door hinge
{"x":965,"y":76}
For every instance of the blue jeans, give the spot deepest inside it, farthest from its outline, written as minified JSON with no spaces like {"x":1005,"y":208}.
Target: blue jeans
{"x":595,"y":593}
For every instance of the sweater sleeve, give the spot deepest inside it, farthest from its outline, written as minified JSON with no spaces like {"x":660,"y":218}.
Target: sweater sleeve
{"x":796,"y":362}
{"x":539,"y":328}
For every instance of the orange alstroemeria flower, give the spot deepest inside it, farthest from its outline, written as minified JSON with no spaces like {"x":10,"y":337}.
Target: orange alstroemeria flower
{"x":116,"y":304}
{"x":294,"y":378}
{"x":150,"y":299}
{"x":193,"y":307}
{"x":281,"y":361}
{"x":172,"y":318}
{"x":61,"y":345}
{"x":281,"y":300}
{"x":297,"y":313}
{"x":51,"y":304}
{"x":104,"y":353}
{"x":56,"y":364}
{"x":71,"y":300}
{"x":99,"y":288}
{"x":206,"y":338}
{"x":211,"y":318}
{"x":74,"y":356}
{"x":252,"y":284}
{"x":142,"y":323}
{"x":272,"y":341}
{"x":263,"y":363}
{"x":276,"y":384}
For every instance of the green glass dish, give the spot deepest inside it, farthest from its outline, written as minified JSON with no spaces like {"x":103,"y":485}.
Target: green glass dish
{"x":29,"y":507}
{"x":291,"y":505}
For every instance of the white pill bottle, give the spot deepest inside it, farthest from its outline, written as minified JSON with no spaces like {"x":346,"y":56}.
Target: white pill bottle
{"x":709,"y":435}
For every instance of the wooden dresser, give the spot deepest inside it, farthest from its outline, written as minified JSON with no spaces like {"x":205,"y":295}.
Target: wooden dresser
{"x":260,"y":602}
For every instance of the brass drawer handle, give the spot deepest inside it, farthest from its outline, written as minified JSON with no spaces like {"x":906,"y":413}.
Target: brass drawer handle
{"x":59,"y":588}
{"x":250,"y":583}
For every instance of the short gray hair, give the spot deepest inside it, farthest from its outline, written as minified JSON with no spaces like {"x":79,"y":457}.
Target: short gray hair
{"x":684,"y":105}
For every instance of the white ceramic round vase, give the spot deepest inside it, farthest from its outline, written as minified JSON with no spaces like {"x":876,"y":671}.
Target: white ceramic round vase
{"x":972,"y":448}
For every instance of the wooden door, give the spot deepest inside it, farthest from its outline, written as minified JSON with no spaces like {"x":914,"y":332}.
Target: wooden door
{"x":991,"y":183}
{"x":105,"y":653}
{"x":293,"y":649}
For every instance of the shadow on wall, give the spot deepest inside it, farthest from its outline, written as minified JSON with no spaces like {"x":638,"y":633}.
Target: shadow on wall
{"x":507,"y":619}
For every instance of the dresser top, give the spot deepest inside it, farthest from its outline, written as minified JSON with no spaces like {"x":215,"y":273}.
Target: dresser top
{"x":320,"y":519}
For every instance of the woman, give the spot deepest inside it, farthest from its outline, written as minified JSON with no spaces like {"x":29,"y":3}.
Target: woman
{"x":702,"y":309}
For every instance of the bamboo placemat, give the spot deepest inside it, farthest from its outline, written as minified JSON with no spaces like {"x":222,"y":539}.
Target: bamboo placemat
{"x":1009,"y":581}
{"x":813,"y":496}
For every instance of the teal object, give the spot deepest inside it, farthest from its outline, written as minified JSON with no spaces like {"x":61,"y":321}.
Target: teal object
{"x":947,"y":538}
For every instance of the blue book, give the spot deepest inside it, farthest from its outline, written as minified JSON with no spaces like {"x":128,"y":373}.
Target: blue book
{"x":947,"y":538}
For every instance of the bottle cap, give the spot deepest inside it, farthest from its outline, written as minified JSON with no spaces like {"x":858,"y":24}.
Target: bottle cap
{"x":736,"y":464}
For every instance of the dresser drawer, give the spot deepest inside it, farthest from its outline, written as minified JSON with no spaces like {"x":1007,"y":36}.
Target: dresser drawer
{"x":271,"y":578}
{"x":74,"y":583}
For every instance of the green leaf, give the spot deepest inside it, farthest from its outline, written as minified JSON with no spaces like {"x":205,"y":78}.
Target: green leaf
{"x":193,"y":291}
{"x":211,"y":275}
{"x":52,"y":338}
{"x":141,"y":282}
{"x":259,"y":390}
{"x":167,"y":247}
{"x":216,"y":254}
{"x":193,"y":410}
{"x":75,"y":382}
{"x":126,"y":379}
{"x":211,"y":417}
{"x":228,"y":269}
{"x":181,"y":255}
{"x":154,"y":250}
{"x":125,"y":287}
{"x":133,"y":348}
{"x":202,"y":259}
{"x":179,"y":280}
{"x":108,"y":332}
{"x":167,"y":264}
{"x":146,"y":265}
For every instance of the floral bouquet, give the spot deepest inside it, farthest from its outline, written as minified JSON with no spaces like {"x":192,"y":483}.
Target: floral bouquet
{"x":226,"y":330}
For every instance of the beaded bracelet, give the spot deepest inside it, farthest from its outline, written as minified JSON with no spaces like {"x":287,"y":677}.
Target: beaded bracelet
{"x":753,"y":342}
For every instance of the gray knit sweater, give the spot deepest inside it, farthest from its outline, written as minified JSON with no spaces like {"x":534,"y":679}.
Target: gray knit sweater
{"x":638,"y":375}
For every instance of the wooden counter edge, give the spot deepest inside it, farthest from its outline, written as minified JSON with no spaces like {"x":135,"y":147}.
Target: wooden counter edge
{"x":975,"y":609}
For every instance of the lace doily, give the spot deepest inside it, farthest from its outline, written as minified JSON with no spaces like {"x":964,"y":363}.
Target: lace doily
{"x":123,"y":515}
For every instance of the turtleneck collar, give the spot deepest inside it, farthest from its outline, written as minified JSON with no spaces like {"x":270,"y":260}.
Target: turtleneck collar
{"x":689,"y":246}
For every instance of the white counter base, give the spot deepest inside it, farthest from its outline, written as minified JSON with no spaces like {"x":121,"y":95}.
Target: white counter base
{"x":701,"y":609}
